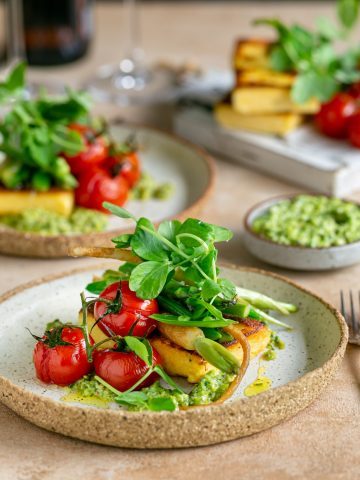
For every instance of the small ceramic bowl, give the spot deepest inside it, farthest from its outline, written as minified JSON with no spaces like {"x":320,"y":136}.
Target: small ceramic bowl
{"x":295,"y":257}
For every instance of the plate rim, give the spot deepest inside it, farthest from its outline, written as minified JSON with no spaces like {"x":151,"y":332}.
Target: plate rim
{"x":44,"y":246}
{"x":12,"y":395}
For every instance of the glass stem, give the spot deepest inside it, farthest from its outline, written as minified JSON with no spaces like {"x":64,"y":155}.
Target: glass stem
{"x":133,"y":52}
{"x":15,"y":43}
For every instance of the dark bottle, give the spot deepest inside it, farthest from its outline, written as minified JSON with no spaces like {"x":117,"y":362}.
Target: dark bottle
{"x":57,"y":31}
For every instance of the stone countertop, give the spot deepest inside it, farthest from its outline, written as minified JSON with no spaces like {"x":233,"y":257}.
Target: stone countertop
{"x":321,"y":442}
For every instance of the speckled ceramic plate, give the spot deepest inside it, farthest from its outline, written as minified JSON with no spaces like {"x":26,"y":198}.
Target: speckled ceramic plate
{"x":313,"y":352}
{"x":168,"y":159}
{"x":295,"y":257}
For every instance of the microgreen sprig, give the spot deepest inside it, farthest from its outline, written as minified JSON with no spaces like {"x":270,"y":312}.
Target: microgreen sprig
{"x":312,"y":54}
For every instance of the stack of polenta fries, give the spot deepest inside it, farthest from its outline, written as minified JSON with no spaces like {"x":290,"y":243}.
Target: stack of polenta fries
{"x":261,"y":99}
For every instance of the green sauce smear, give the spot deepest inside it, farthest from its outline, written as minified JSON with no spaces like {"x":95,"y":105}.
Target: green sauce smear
{"x":310,"y":221}
{"x":148,"y":188}
{"x":44,"y":222}
{"x":275,"y":343}
{"x":209,"y":389}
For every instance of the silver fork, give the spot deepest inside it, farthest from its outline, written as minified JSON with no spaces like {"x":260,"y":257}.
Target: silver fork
{"x":352,"y":319}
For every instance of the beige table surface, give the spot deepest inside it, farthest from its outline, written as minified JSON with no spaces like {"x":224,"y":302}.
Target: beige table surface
{"x":322,"y":442}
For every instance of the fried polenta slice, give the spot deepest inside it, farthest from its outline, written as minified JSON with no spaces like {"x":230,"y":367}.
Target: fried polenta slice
{"x":275,"y":124}
{"x":13,"y":202}
{"x":251,"y":53}
{"x":263,"y":100}
{"x":189,"y":364}
{"x":265,"y":77}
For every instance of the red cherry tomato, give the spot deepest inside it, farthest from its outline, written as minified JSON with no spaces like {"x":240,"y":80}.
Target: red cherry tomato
{"x":132,"y":316}
{"x":354,"y":90}
{"x":97,"y":186}
{"x":94,"y":153}
{"x":127,"y":165}
{"x":354,"y":129}
{"x":123,"y":369}
{"x":61,"y":364}
{"x":332,"y":119}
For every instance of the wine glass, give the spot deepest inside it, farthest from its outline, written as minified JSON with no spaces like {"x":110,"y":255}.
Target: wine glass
{"x":15,"y":51}
{"x":14,"y":33}
{"x":130,"y":81}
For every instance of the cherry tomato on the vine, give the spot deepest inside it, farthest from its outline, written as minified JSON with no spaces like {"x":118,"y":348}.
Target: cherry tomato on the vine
{"x":123,"y":369}
{"x":94,"y":153}
{"x":97,"y":186}
{"x":60,"y":356}
{"x":333,"y":117}
{"x":126,"y":164}
{"x":131,"y":315}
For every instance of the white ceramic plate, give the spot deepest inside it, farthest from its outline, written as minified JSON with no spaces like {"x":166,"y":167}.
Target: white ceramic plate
{"x":168,"y":159}
{"x":293,"y":257}
{"x":312,"y":354}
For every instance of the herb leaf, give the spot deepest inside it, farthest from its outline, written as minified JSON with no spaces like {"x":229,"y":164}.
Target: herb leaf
{"x":14,"y":82}
{"x":158,"y":404}
{"x":118,"y":211}
{"x":146,"y":245}
{"x":169,"y":229}
{"x":210,"y":289}
{"x":313,"y":84}
{"x":206,"y":321}
{"x":122,"y":241}
{"x":348,"y":12}
{"x":228,"y":289}
{"x":148,"y":279}
{"x":132,"y":398}
{"x":221,"y":234}
{"x":160,"y":371}
{"x":141,"y":347}
{"x":196,"y":228}
{"x":96,"y":287}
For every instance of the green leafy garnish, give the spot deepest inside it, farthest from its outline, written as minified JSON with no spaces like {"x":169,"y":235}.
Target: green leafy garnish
{"x":179,"y":269}
{"x":14,"y":83}
{"x":141,"y":347}
{"x":34,"y":136}
{"x":313,"y":54}
{"x":348,"y":12}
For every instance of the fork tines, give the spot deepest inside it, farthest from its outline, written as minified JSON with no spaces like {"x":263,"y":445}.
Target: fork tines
{"x":352,"y":320}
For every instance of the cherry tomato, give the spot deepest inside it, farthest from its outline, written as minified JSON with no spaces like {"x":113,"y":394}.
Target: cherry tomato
{"x":332,"y":119}
{"x":132,"y":316}
{"x":354,"y":129}
{"x":128,"y":165}
{"x":354,"y":90}
{"x":56,"y":362}
{"x":123,"y":369}
{"x":94,"y":153}
{"x":97,"y":186}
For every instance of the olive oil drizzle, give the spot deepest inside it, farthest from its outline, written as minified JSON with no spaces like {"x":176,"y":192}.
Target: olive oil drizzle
{"x":260,"y":385}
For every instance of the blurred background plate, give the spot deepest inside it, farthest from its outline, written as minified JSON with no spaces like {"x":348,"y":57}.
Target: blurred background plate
{"x":168,"y":159}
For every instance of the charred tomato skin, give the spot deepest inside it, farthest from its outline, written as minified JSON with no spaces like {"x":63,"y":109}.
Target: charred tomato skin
{"x":127,"y":165}
{"x":133,"y":315}
{"x":62,"y":364}
{"x":123,"y":369}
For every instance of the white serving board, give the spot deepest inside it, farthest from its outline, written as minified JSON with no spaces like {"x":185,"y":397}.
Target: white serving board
{"x":304,"y":157}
